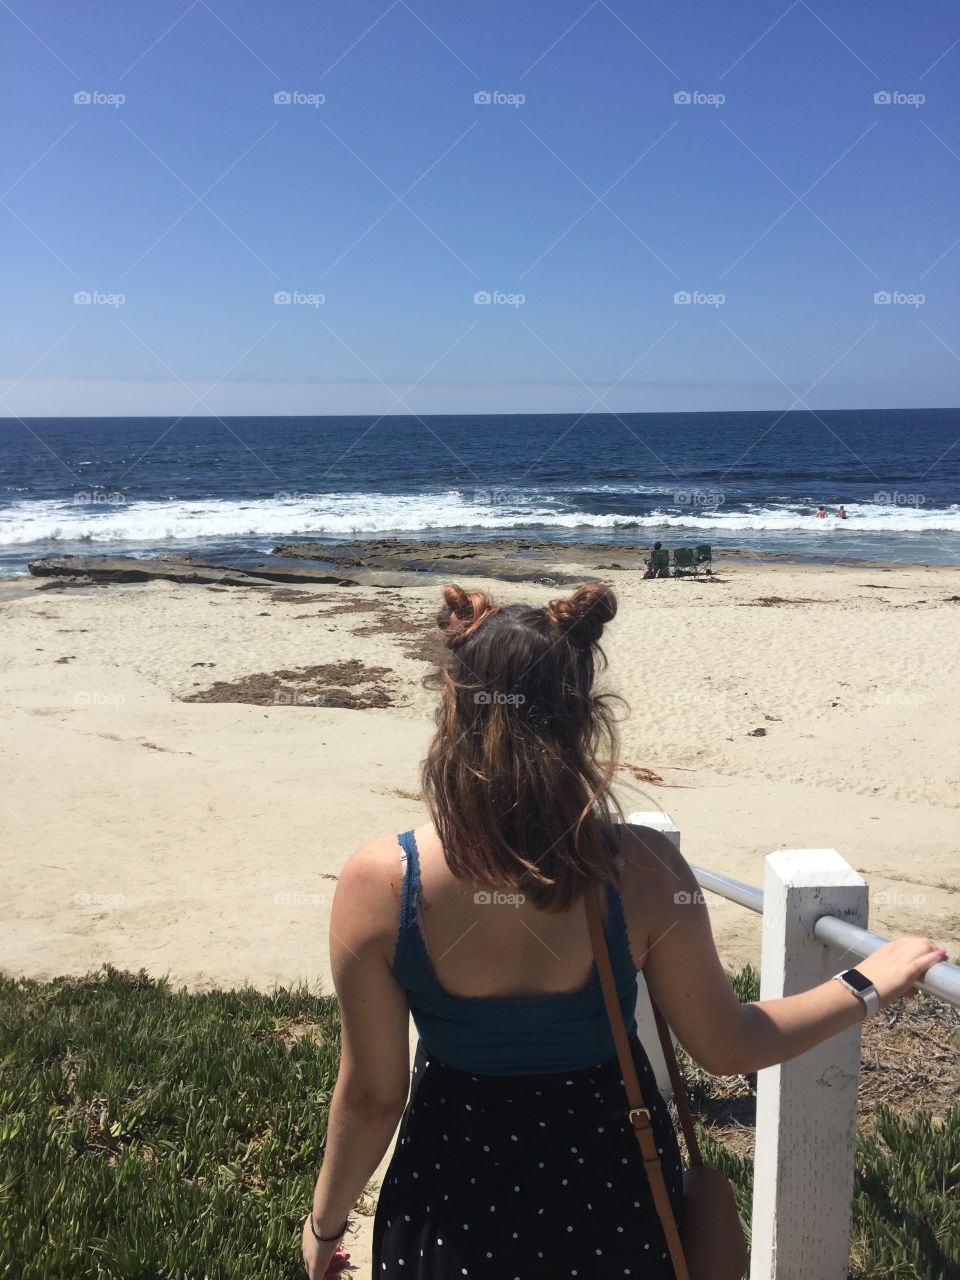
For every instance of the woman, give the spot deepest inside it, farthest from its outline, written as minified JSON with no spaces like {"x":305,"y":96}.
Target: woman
{"x":514,"y":1157}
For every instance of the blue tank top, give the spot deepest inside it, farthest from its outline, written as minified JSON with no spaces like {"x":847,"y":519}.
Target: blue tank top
{"x":509,"y":1035}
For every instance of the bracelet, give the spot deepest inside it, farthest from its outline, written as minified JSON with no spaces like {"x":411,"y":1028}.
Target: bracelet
{"x":328,"y":1239}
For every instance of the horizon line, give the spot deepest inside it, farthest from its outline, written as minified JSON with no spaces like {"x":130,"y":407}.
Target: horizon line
{"x":514,"y":413}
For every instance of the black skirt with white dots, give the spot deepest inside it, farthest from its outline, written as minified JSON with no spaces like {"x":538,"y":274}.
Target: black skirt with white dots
{"x":529,"y":1177}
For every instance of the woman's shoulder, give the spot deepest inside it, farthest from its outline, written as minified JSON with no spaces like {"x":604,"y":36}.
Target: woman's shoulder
{"x":374,"y":863}
{"x":654,"y":870}
{"x":369,"y":886}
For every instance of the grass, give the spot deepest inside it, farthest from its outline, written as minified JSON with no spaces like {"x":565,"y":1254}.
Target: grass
{"x":161,"y":1134}
{"x":906,"y":1209}
{"x":151,"y":1133}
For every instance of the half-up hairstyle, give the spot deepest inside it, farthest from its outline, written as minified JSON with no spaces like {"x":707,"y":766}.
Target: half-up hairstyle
{"x":513,"y":779}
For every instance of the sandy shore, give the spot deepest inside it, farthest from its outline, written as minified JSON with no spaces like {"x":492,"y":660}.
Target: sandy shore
{"x":144,"y":828}
{"x":152,"y":820}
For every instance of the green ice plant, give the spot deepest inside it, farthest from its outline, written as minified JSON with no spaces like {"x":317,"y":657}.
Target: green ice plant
{"x":152,"y":1133}
{"x":147,"y":1132}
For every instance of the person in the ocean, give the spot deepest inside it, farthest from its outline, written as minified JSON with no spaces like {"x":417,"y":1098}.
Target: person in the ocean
{"x":821,"y":512}
{"x":515,"y":1156}
{"x":841,"y":513}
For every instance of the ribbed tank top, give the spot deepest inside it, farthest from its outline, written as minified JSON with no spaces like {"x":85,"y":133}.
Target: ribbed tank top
{"x":509,"y":1035}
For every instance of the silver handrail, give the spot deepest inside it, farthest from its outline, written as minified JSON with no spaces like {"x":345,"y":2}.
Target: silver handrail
{"x":942,"y":981}
{"x":733,"y":890}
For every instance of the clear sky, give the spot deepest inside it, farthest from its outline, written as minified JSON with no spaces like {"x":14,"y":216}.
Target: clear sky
{"x":582,"y":197}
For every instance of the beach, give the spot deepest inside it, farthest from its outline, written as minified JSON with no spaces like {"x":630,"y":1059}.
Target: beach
{"x":773,"y":706}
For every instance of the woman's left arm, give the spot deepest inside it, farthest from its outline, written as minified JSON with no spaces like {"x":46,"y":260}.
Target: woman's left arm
{"x":374,"y":1077}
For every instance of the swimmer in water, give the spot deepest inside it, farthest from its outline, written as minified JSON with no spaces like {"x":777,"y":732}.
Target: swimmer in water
{"x":841,"y":514}
{"x":821,"y":512}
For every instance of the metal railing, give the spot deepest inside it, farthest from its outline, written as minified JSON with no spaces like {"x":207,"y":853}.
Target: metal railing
{"x":943,"y":981}
{"x":813,"y":906}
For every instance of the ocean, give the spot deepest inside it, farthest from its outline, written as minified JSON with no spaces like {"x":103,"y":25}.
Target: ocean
{"x":228,"y":488}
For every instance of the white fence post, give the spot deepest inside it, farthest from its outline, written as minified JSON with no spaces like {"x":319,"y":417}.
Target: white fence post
{"x":806,"y":1108}
{"x":659,"y":821}
{"x":646,"y":1026}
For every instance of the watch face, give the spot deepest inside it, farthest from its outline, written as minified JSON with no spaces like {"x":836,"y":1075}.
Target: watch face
{"x":857,"y":980}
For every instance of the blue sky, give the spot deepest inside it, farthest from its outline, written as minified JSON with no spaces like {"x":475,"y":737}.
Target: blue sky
{"x":582,"y":198}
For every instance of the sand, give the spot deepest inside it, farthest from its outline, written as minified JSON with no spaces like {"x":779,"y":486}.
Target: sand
{"x":146,"y":830}
{"x":782,"y":706}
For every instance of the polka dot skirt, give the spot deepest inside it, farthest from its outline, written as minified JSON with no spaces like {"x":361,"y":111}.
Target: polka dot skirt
{"x":523,"y":1178}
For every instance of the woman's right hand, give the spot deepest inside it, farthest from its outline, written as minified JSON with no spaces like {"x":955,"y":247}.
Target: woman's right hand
{"x":895,"y":968}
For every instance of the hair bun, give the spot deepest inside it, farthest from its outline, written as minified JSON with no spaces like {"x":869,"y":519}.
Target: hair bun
{"x":582,"y":616}
{"x":462,"y":613}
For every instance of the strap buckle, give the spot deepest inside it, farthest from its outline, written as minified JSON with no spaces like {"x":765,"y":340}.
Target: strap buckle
{"x":638,"y":1111}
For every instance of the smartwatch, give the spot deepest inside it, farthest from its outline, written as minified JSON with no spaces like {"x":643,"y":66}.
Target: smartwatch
{"x":861,"y":986}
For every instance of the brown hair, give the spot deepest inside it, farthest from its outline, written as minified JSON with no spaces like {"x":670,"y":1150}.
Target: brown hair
{"x":513,"y":778}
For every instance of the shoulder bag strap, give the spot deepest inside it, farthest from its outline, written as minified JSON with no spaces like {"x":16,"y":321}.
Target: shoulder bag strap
{"x":679,"y":1088}
{"x":638,"y":1115}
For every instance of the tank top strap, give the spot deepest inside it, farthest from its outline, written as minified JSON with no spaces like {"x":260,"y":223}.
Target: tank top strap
{"x":411,"y":882}
{"x":617,"y":935}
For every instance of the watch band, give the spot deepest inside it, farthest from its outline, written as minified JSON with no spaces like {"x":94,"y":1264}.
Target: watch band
{"x":862,"y":988}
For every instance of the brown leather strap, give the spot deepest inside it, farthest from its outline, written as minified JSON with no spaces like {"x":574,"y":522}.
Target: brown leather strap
{"x":638,"y":1114}
{"x":679,"y":1088}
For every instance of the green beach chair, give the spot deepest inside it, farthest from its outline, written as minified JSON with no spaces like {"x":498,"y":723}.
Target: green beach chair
{"x":684,"y":561}
{"x":660,"y":562}
{"x":704,"y":557}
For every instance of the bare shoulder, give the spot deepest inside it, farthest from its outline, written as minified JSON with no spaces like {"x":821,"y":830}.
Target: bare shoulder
{"x":654,"y":870}
{"x":368,"y":888}
{"x":656,"y":880}
{"x":372,"y":862}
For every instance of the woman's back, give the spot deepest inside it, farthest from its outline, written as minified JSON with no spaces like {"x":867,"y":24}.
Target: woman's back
{"x":486,"y":943}
{"x":496,"y":984}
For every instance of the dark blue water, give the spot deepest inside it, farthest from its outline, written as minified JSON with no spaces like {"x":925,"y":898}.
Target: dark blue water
{"x":219,"y":487}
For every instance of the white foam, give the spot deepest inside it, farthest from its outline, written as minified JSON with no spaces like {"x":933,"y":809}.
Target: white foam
{"x":862,"y":517}
{"x":146,"y":523}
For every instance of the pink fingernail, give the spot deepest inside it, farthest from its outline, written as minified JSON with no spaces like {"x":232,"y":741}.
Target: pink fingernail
{"x":942,"y":951}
